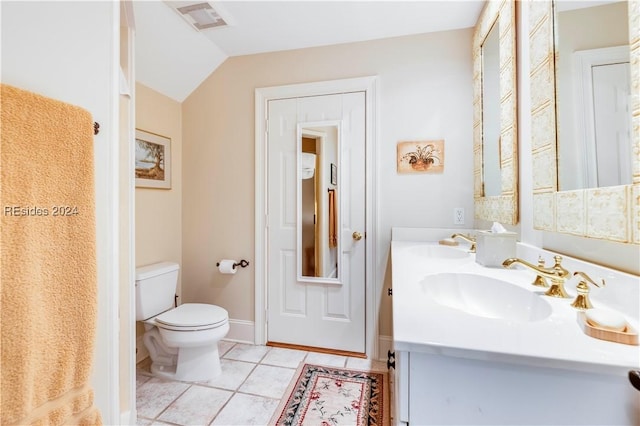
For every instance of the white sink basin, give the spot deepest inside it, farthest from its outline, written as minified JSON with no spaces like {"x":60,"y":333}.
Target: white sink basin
{"x":439,"y":252}
{"x":485,"y":297}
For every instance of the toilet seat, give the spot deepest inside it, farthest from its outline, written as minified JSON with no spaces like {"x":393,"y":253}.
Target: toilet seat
{"x":192,"y":317}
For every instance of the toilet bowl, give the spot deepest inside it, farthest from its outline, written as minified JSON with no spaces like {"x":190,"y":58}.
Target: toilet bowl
{"x":182,"y":341}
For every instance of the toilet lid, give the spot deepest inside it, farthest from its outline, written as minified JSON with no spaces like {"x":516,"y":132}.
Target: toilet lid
{"x":194,"y":315}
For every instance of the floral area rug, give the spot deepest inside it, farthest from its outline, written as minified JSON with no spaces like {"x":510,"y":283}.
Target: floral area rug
{"x":329,"y":396}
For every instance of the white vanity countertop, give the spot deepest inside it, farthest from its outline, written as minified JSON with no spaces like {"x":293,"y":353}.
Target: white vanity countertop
{"x":422,"y":325}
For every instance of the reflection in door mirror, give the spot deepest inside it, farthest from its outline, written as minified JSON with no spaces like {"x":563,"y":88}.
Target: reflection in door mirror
{"x":318,"y":202}
{"x":593,"y":88}
{"x":491,"y":173}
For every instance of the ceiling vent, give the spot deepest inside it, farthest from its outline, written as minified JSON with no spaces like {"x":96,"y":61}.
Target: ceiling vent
{"x":201,"y":16}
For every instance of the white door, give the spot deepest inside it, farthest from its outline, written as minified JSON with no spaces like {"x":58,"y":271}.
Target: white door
{"x":315,"y":312}
{"x":611,"y":92}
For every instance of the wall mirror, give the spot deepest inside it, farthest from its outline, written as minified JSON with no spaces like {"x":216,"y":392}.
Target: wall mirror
{"x":318,"y":202}
{"x":495,"y":143}
{"x":593,"y":93}
{"x":608,"y":211}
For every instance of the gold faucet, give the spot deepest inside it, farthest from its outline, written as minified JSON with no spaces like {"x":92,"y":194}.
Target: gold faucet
{"x":471,"y":240}
{"x":540,"y":281}
{"x":557,"y":274}
{"x":582,"y":301}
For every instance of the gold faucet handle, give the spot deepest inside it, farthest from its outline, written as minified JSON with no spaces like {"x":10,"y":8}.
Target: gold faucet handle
{"x":472,"y":249}
{"x":468,"y":238}
{"x":473,"y":241}
{"x":561,"y":272}
{"x":582,"y":301}
{"x":540,"y":281}
{"x":587,"y":279}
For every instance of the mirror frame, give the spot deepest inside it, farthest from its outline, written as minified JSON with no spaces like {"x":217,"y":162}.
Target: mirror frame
{"x":502,"y":208}
{"x":608,"y":213}
{"x":301,"y":128}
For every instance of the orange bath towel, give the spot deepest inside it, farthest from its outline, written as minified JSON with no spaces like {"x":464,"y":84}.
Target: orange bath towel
{"x":333,"y":219}
{"x":49,"y":285}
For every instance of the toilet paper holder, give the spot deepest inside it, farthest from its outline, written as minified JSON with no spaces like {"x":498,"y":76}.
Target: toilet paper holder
{"x":242,"y":263}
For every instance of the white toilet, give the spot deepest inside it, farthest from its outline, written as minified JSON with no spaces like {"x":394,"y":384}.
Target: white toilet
{"x":182,"y":341}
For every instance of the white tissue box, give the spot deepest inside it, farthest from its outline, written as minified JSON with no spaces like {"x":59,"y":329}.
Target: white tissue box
{"x":492,"y":248}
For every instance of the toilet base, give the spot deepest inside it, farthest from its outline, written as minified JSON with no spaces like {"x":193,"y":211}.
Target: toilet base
{"x":186,"y":363}
{"x":198,"y":364}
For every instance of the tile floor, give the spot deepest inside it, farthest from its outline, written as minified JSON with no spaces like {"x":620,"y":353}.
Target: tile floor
{"x":253,"y":380}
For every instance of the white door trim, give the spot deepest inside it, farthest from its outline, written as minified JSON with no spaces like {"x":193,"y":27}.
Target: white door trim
{"x":127,"y":302}
{"x":262,"y":97}
{"x":106,"y":356}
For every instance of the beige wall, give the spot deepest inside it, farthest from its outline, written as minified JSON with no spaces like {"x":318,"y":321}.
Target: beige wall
{"x":159,"y":211}
{"x":425,"y":93}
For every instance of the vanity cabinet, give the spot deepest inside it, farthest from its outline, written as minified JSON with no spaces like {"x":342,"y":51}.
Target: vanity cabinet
{"x":479,"y":345}
{"x":436,"y":389}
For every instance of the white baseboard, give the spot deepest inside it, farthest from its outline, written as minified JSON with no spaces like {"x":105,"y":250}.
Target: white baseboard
{"x":141,"y":350}
{"x":385,"y":344}
{"x":126,"y":418}
{"x":241,"y":331}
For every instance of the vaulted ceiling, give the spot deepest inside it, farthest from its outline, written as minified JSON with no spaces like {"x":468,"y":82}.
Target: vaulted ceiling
{"x":173,"y":58}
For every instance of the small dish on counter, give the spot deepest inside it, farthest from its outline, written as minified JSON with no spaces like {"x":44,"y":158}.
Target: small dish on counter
{"x":626,"y":335}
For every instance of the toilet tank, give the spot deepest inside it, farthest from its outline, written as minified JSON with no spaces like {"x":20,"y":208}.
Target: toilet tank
{"x":155,"y":289}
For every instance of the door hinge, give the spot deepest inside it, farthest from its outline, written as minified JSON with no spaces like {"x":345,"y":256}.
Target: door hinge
{"x":389,"y":291}
{"x":391,"y":360}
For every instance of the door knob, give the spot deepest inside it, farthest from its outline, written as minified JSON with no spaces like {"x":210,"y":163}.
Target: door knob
{"x":357,"y":236}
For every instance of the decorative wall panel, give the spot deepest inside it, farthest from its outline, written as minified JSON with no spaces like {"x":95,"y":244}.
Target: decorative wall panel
{"x":504,"y":207}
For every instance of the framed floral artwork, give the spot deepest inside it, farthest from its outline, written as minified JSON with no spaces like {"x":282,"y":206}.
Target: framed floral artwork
{"x":421,"y":156}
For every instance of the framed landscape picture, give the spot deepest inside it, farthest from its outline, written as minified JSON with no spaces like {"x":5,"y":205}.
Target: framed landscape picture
{"x":153,"y":160}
